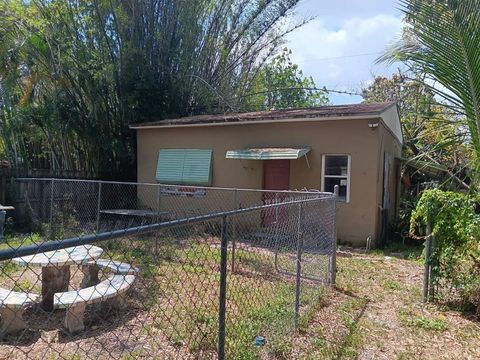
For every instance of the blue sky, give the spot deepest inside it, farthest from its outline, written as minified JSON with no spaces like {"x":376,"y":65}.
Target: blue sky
{"x":332,"y":47}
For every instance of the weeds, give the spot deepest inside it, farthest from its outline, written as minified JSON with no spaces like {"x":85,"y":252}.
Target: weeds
{"x":24,"y":285}
{"x":259,"y":300}
{"x":392,"y":284}
{"x":409,"y":318}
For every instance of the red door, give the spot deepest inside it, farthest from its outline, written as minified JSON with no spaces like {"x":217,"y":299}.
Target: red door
{"x":276,"y":176}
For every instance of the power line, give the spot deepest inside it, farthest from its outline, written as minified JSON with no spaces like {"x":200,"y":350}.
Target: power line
{"x":342,"y":57}
{"x":261,"y":106}
{"x":344,"y":92}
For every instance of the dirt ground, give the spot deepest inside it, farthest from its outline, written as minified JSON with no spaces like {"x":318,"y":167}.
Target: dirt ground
{"x":376,"y":312}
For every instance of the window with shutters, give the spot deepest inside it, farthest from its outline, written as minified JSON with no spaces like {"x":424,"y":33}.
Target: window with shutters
{"x":184,"y":167}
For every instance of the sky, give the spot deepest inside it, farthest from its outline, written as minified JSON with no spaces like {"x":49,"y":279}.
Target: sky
{"x":339,"y":46}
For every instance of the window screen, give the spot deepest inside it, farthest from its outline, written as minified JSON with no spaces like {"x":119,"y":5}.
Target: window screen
{"x":336,"y":171}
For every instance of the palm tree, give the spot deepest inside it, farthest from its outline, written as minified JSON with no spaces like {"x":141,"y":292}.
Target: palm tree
{"x":442,"y":38}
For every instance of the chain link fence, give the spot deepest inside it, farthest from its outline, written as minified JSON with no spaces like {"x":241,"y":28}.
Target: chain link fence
{"x":126,"y":270}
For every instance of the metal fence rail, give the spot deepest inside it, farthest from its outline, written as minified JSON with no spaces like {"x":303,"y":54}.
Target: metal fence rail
{"x":217,"y":273}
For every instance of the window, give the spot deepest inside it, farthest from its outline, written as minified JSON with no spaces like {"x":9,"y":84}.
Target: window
{"x":336,"y":171}
{"x":184,"y":167}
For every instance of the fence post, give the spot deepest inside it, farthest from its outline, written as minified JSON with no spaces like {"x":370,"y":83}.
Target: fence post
{"x":277,"y":232}
{"x":426,"y":272}
{"x":298,"y":264}
{"x":223,"y":290}
{"x":158,"y":219}
{"x":234,"y":228}
{"x":52,"y":183}
{"x":3,"y":188}
{"x":159,"y":194}
{"x":333,"y":263}
{"x":99,"y":203}
{"x":431,"y":287}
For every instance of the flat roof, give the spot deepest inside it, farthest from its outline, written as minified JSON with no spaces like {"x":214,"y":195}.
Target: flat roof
{"x":329,"y":111}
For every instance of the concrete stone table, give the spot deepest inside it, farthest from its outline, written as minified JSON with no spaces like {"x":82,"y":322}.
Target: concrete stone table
{"x":3,"y":214}
{"x":56,"y":268}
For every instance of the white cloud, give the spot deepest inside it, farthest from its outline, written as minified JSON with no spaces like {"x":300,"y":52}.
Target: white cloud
{"x":328,"y":52}
{"x":361,"y":28}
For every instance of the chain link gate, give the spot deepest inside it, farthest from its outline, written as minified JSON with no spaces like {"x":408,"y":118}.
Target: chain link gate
{"x":128,"y":270}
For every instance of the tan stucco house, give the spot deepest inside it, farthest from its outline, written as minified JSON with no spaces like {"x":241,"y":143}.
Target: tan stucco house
{"x":357,"y":147}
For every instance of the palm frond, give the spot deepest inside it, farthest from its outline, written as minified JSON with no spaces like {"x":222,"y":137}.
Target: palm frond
{"x":443,"y":38}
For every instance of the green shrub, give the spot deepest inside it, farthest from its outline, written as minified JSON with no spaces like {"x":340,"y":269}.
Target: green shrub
{"x":455,"y":225}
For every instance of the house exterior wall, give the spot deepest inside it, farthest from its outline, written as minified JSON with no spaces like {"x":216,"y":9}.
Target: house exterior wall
{"x":388,"y":145}
{"x":355,"y":221}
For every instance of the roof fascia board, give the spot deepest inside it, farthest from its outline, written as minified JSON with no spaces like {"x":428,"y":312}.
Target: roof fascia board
{"x":255,"y":122}
{"x":387,"y":126}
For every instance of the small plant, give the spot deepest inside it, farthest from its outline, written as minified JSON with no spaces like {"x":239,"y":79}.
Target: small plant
{"x":392,"y":285}
{"x":8,"y":268}
{"x":351,"y":343}
{"x":134,"y":354}
{"x":411,"y":319}
{"x":23,"y":285}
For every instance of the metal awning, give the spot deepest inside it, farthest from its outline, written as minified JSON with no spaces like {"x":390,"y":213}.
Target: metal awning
{"x":427,"y":167}
{"x":268,"y":153}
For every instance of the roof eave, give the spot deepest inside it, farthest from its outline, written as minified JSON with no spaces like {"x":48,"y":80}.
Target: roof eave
{"x":255,"y":122}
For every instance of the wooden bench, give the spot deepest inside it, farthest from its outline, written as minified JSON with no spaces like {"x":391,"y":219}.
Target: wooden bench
{"x":75,"y":301}
{"x":91,"y":270}
{"x":12,"y":305}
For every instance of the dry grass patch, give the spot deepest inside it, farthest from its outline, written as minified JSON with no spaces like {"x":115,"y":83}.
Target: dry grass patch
{"x":376,"y":313}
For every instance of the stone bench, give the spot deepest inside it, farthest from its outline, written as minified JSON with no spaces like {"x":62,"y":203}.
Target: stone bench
{"x":76,"y":301}
{"x":91,"y":270}
{"x":12,"y":305}
{"x":117,"y":267}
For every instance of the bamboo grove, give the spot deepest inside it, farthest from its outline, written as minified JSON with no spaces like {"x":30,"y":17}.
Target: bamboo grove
{"x":75,"y":73}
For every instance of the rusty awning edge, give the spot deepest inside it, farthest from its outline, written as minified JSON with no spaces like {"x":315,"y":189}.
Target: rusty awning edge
{"x":270,"y":153}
